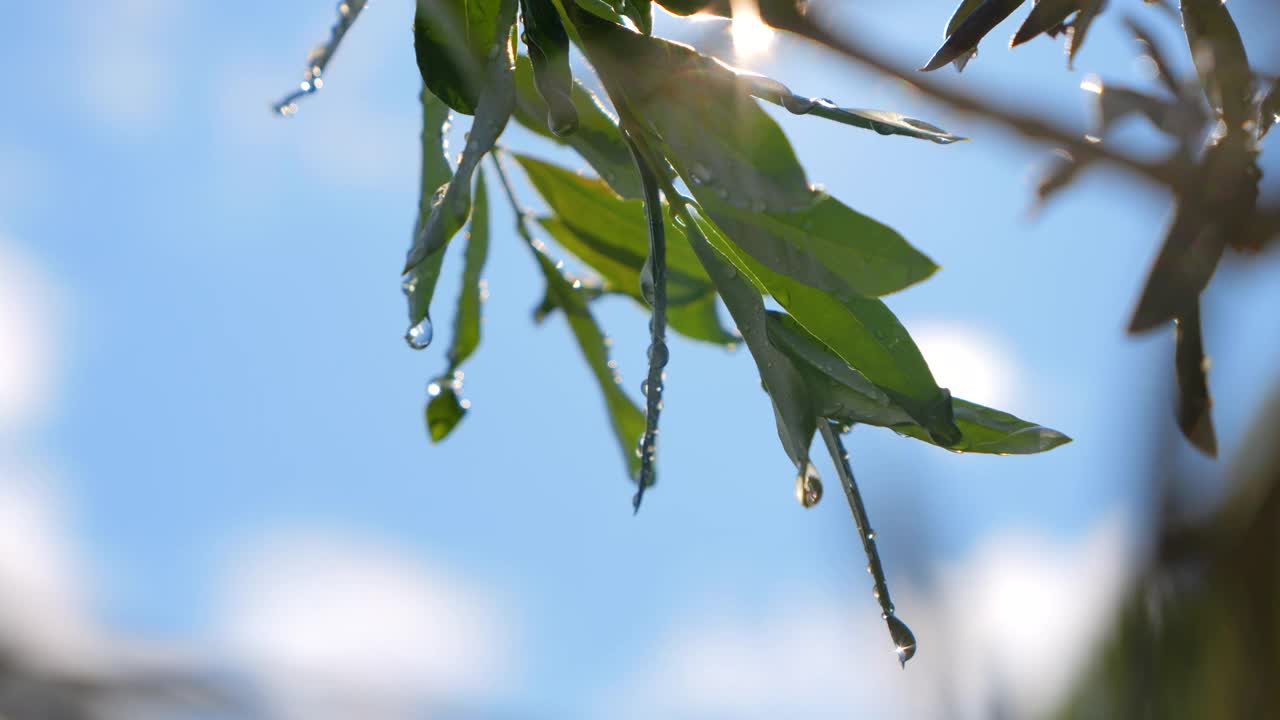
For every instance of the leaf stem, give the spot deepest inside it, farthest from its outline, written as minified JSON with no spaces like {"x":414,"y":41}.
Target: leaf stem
{"x":904,"y":641}
{"x":318,"y":59}
{"x":653,"y":281}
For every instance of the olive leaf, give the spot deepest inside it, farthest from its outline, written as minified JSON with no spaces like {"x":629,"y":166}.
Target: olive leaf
{"x":548,"y":45}
{"x":453,"y":41}
{"x":452,"y":205}
{"x":1220,"y":59}
{"x":445,"y":409}
{"x":1192,"y":367}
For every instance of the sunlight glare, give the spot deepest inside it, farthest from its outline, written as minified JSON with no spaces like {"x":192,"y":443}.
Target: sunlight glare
{"x":751,"y":36}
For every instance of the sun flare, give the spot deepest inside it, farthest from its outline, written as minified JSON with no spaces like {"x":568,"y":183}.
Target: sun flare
{"x":751,"y":36}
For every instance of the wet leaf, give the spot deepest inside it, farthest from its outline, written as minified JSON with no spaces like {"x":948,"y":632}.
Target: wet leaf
{"x":793,"y":407}
{"x":446,"y":409}
{"x":597,"y":139}
{"x":453,"y":40}
{"x":1194,"y":403}
{"x":625,"y":417}
{"x":861,"y":331}
{"x":1220,"y":59}
{"x":420,"y":284}
{"x":964,"y":39}
{"x":452,"y":208}
{"x":881,"y":121}
{"x":842,"y":396}
{"x":827,"y":245}
{"x":548,"y":46}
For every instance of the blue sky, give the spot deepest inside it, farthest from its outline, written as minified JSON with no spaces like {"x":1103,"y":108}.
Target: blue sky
{"x":208,"y":305}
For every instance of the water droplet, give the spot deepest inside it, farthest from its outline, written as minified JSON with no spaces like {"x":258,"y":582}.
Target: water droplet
{"x":796,"y":104}
{"x":658,"y":354}
{"x":809,"y":487}
{"x":562,"y":119}
{"x":419,"y":336}
{"x":904,"y":642}
{"x":646,"y":283}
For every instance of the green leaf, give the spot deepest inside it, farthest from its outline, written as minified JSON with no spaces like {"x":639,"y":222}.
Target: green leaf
{"x":861,"y":331}
{"x":548,"y":46}
{"x":420,"y":285}
{"x":793,"y":406}
{"x":446,"y":409}
{"x":625,"y":418}
{"x":1220,"y":59}
{"x":453,"y":40}
{"x":827,"y":245}
{"x":452,"y":206}
{"x":964,"y":38}
{"x":703,"y":113}
{"x":1194,"y":403}
{"x":742,"y":170}
{"x":597,"y":139}
{"x":881,"y":121}
{"x":848,"y":397}
{"x":609,"y":234}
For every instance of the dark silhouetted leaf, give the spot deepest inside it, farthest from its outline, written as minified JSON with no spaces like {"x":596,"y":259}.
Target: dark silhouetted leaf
{"x":1079,"y":30}
{"x":971,"y":29}
{"x":1194,"y":403}
{"x":1220,"y":59}
{"x":597,"y":138}
{"x":1044,"y":17}
{"x":548,"y":46}
{"x":445,"y":408}
{"x":1270,"y":110}
{"x":495,"y":105}
{"x":965,"y":9}
{"x":452,"y":40}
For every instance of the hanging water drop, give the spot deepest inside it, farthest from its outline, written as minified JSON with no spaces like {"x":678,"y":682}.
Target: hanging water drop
{"x":419,"y":336}
{"x":659,"y":355}
{"x":562,"y":118}
{"x":809,"y":486}
{"x":796,"y":104}
{"x":904,"y":642}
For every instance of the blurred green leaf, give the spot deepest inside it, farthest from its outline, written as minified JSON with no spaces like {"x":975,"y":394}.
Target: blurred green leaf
{"x":604,"y":9}
{"x":1220,"y":59}
{"x":597,"y":139}
{"x":548,"y":46}
{"x":963,"y":39}
{"x":452,"y":40}
{"x":494,"y":108}
{"x":444,"y":411}
{"x":639,"y":12}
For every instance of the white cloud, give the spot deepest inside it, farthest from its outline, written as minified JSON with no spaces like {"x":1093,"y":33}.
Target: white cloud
{"x":336,"y":628}
{"x":44,"y":615}
{"x":1011,"y":623}
{"x":974,"y":365}
{"x":28,"y":322}
{"x":124,"y":61}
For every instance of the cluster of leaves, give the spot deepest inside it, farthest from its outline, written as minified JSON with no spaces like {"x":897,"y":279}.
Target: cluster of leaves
{"x":1218,"y":123}
{"x":699,"y":199}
